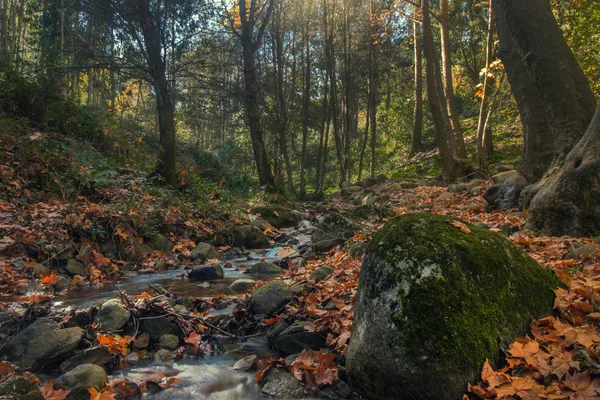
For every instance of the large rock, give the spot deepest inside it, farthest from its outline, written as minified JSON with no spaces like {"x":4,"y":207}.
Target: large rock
{"x":270,"y":298}
{"x":113,"y":315}
{"x":436,"y":300}
{"x":42,"y":343}
{"x":260,"y":223}
{"x":84,"y":375}
{"x":250,"y":237}
{"x":350,"y":190}
{"x":299,"y":336}
{"x":371,"y":210}
{"x":206,"y":272}
{"x":333,"y":231}
{"x":264,"y":268}
{"x":279,"y":217}
{"x":502,"y":177}
{"x":506,"y":195}
{"x":204,"y":251}
{"x":367,"y":182}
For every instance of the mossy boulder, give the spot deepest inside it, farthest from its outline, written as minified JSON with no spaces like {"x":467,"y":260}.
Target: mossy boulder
{"x":436,"y":301}
{"x":264,"y":268}
{"x":250,"y":237}
{"x":270,"y":298}
{"x":279,"y":217}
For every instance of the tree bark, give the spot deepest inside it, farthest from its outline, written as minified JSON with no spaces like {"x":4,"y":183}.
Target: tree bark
{"x":417,"y":131}
{"x":305,"y":113}
{"x":481,"y":125}
{"x":567,"y":202}
{"x":249,"y":48}
{"x":435,"y":97}
{"x":459,"y":147}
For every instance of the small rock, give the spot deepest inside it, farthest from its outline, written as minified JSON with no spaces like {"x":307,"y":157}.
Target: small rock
{"x":281,"y":384}
{"x":367,"y":182}
{"x":270,"y":298}
{"x":369,"y":200}
{"x":181,"y":309}
{"x":250,"y":237}
{"x":84,"y":375}
{"x":457,"y":188}
{"x":242,"y":285}
{"x":158,"y":325}
{"x":381,"y":178}
{"x":74,"y":267}
{"x":160,"y":242}
{"x":40,"y":270}
{"x":446,"y":196}
{"x":338,"y":390}
{"x":164,"y":356}
{"x":16,"y":385}
{"x":204,"y":251}
{"x":96,"y":355}
{"x":358,"y":249}
{"x":142,"y":342}
{"x":169,"y":342}
{"x":206,"y":272}
{"x":475,"y":182}
{"x":502,"y":177}
{"x":261,"y":223}
{"x":322,"y":273}
{"x":348,"y":191}
{"x":264,"y":268}
{"x":301,"y":335}
{"x":113,"y":315}
{"x":161,"y":265}
{"x":408,"y":185}
{"x":133,"y":358}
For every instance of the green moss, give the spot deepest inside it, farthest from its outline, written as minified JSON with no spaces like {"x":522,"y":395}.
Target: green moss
{"x":463,"y":295}
{"x":277,"y":216}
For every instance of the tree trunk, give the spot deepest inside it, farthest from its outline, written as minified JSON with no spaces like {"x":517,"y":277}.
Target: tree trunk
{"x":417,"y":131}
{"x":538,"y":144}
{"x":567,"y":201}
{"x":562,"y":85}
{"x":457,"y":134}
{"x":249,"y":47}
{"x":481,"y":131}
{"x":4,"y":31}
{"x":443,"y":133}
{"x":305,"y":115}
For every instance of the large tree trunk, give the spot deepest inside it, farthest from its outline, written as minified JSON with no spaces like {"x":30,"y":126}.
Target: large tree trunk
{"x":567,"y":201}
{"x":538,"y":138}
{"x":305,"y":114}
{"x":562,"y":85}
{"x":417,"y":131}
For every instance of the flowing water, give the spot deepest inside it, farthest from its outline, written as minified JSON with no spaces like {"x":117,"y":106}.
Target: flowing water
{"x":213,"y":372}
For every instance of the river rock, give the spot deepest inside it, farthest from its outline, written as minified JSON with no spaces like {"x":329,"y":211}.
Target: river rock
{"x":242,"y":285}
{"x":156,"y":327}
{"x":206,"y":272}
{"x":160,"y":242}
{"x":367,"y":211}
{"x":19,"y":385}
{"x":250,"y":237}
{"x":95,"y":355}
{"x":299,"y":336}
{"x":264,"y":268}
{"x":281,"y":384}
{"x":113,"y":315}
{"x":142,"y":341}
{"x":168,"y":341}
{"x":84,"y":375}
{"x":42,"y":343}
{"x":279,"y":217}
{"x":204,"y":251}
{"x":164,"y":356}
{"x":333,"y":231}
{"x":322,"y":273}
{"x":436,"y":301}
{"x":337,"y":390}
{"x":270,"y":298}
{"x":75,"y":267}
{"x":261,"y":224}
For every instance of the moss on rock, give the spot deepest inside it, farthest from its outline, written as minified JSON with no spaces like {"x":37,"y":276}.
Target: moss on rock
{"x":279,"y":217}
{"x":434,"y":301}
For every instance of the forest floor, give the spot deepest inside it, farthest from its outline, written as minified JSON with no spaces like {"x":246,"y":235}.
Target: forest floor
{"x":43,"y":225}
